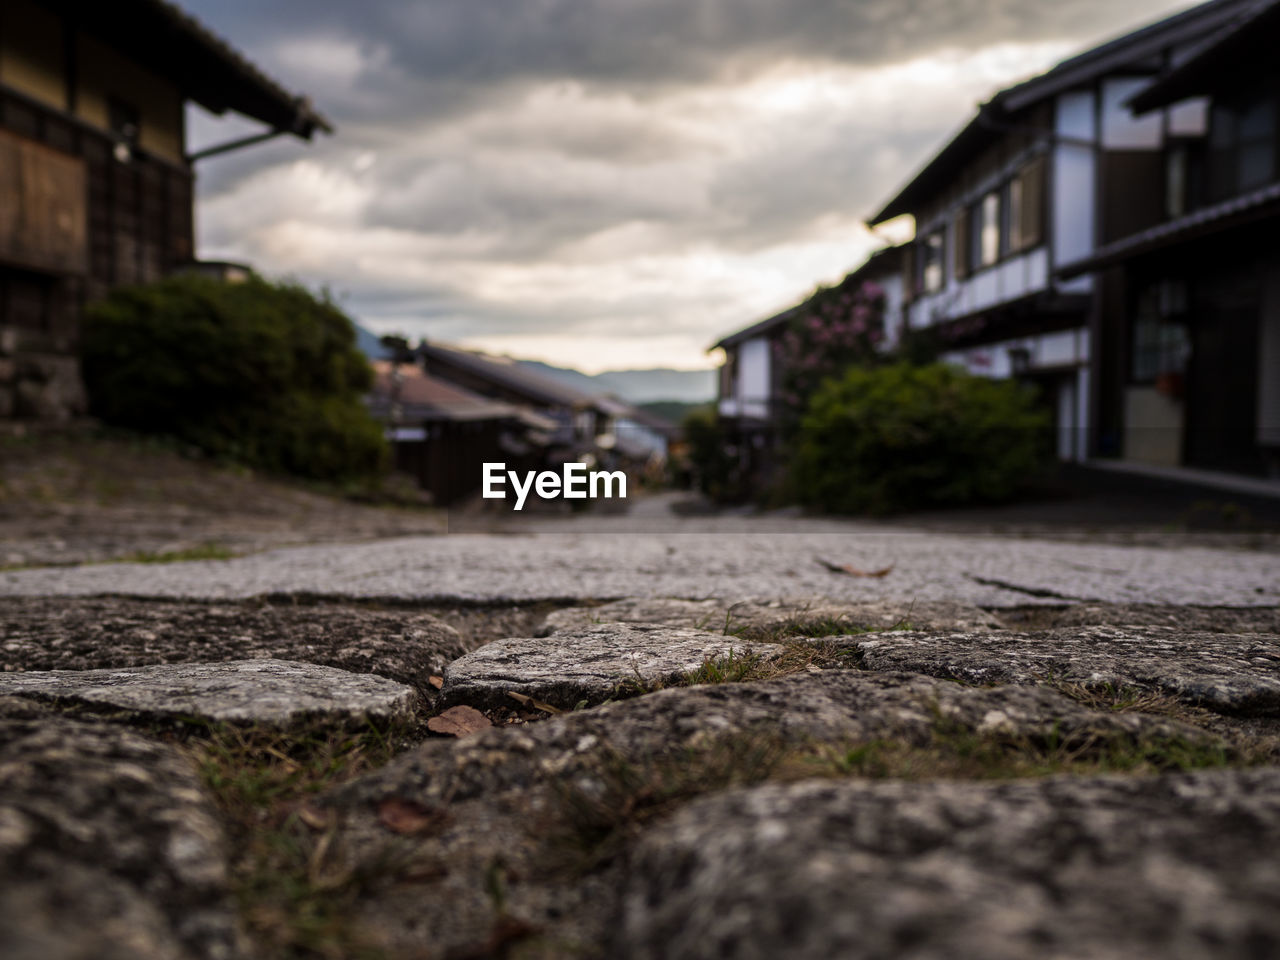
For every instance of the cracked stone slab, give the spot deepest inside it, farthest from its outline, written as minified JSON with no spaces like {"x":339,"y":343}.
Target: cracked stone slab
{"x":269,"y":692}
{"x":1094,"y":869}
{"x":503,"y":788}
{"x":590,"y":664}
{"x":762,"y":618}
{"x":1188,"y":618}
{"x":92,"y":633}
{"x":1222,"y":672}
{"x":735,"y":566}
{"x":108,"y":847}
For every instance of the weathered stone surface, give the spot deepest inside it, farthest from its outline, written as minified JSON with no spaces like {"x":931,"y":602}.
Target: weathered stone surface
{"x":1222,"y":672}
{"x":101,"y":632}
{"x":267,"y":692}
{"x":767,"y":619}
{"x":589,"y":664}
{"x":108,"y":847}
{"x":746,"y":563}
{"x":1190,"y":619}
{"x":1170,"y":866}
{"x":503,"y":789}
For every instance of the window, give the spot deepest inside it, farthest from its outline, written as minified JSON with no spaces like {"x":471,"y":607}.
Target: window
{"x":960,"y":259}
{"x":986,"y":231}
{"x":1161,"y":343}
{"x":122,"y":117}
{"x":931,"y":262}
{"x":1242,"y":145}
{"x":1014,"y":213}
{"x":1175,"y":181}
{"x":1255,"y":165}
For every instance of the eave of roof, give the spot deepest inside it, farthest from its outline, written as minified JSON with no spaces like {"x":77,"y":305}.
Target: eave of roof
{"x":756,"y":329}
{"x":985,"y":127}
{"x":422,"y":397}
{"x":1242,"y":41}
{"x":212,"y":73}
{"x":1235,"y":212}
{"x":507,"y":373}
{"x":885,"y":258}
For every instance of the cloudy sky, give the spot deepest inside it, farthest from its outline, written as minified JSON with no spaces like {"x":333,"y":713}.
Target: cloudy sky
{"x":602,"y":183}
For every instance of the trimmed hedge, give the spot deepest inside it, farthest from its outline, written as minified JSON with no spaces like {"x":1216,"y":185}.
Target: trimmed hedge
{"x":263,"y":374}
{"x":904,"y":437}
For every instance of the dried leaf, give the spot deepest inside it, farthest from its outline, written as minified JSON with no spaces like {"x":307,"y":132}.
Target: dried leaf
{"x":315,"y":818}
{"x":411,"y":817}
{"x":536,"y":704}
{"x":458,"y":722}
{"x":435,"y":681}
{"x":852,"y":571}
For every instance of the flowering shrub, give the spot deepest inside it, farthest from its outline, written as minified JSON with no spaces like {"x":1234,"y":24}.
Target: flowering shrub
{"x":837,"y":328}
{"x":902,"y":437}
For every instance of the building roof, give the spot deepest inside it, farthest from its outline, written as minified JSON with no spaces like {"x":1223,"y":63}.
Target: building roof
{"x":993,"y":117}
{"x":1243,"y":41}
{"x":422,"y":397}
{"x":1263,"y":202}
{"x":882,"y":261}
{"x":172,"y":43}
{"x":512,"y":375}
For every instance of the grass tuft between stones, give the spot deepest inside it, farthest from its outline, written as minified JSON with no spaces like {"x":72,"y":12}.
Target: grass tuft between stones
{"x":295,"y":881}
{"x":600,"y":815}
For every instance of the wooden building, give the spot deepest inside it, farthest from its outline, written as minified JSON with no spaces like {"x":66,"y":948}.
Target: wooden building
{"x":1194,"y":326}
{"x":442,"y":434}
{"x":749,"y":403}
{"x":96,"y":184}
{"x":1045,"y":174}
{"x":582,"y":419}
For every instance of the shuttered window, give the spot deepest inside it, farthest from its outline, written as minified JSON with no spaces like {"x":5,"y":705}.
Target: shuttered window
{"x":1031,"y":213}
{"x":960,"y":245}
{"x":909,"y":272}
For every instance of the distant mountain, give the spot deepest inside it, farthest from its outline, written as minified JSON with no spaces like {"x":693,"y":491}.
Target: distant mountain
{"x":368,"y":343}
{"x":672,"y":411}
{"x":637,"y":386}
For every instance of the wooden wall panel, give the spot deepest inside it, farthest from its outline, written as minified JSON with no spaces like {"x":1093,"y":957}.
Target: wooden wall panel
{"x":43,"y":207}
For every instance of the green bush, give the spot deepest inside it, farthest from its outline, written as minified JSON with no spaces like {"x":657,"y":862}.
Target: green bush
{"x":263,"y":374}
{"x":901,"y":437}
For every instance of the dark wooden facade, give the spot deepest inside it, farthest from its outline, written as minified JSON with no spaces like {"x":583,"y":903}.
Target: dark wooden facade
{"x":96,"y":187}
{"x":138,"y":223}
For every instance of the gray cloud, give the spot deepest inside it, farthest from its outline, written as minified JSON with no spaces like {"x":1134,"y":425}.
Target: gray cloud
{"x":600,"y":167}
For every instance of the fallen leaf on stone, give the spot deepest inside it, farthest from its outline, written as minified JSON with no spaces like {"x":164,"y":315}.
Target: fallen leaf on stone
{"x":536,"y":704}
{"x":852,"y":571}
{"x":410,"y":817}
{"x":458,"y":722}
{"x":436,"y":682}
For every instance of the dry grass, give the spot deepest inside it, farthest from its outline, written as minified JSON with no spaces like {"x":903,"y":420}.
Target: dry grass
{"x":293,"y":876}
{"x":601,"y":818}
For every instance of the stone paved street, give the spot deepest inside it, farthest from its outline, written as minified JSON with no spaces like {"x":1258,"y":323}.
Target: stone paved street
{"x":728,"y":564}
{"x":656,"y":741}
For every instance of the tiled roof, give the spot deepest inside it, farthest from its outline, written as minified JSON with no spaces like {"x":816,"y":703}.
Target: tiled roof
{"x":172,"y":43}
{"x":509,"y":373}
{"x":1243,"y":41}
{"x":990,"y":122}
{"x":422,"y":397}
{"x":880,"y":262}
